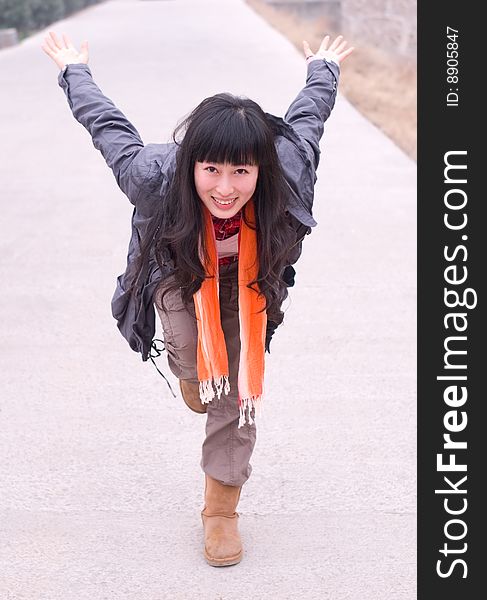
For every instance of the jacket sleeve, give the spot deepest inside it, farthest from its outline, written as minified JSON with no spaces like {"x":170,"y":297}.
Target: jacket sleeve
{"x":313,"y":105}
{"x":111,"y":132}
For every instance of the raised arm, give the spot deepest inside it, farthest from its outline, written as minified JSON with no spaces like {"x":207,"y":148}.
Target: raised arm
{"x":111,"y":132}
{"x":314,"y":103}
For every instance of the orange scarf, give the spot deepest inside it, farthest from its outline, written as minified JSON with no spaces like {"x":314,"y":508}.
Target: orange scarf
{"x":212,"y":359}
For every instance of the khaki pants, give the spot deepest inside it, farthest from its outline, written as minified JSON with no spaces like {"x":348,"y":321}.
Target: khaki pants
{"x":227,"y":449}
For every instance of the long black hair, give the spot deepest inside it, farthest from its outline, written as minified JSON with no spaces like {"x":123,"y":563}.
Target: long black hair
{"x":235,"y":130}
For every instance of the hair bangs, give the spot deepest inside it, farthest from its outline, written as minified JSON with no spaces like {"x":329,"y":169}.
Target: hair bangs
{"x":230,"y":137}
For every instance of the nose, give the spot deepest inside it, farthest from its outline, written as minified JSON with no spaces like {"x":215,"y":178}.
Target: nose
{"x":224,"y":186}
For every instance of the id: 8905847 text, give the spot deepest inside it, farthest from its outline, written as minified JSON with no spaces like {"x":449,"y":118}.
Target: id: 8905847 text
{"x":452,"y":72}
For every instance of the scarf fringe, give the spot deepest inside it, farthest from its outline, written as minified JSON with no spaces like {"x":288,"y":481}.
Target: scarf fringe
{"x":247,"y":404}
{"x":207,"y":393}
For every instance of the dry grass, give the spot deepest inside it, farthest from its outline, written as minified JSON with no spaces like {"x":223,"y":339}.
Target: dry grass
{"x":380,"y":85}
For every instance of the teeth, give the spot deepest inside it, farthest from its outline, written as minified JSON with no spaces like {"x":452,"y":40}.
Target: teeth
{"x":224,"y":202}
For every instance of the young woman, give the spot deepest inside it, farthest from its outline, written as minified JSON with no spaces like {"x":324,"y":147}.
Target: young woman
{"x":219,"y":218}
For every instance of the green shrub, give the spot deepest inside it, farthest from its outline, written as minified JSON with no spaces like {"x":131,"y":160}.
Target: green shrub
{"x":15,"y":13}
{"x":29,"y":15}
{"x":45,"y":12}
{"x":72,"y":6}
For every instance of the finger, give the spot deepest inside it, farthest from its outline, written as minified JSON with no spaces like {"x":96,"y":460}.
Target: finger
{"x":324,"y":44}
{"x":336,"y":42}
{"x":47,"y":50}
{"x":307,"y":50}
{"x":51,"y":45}
{"x":84,"y":50}
{"x":67,"y":42}
{"x":56,"y":40}
{"x":347,"y":52}
{"x":341,"y":47}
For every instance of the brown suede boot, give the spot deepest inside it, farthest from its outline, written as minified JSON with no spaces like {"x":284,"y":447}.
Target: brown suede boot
{"x":223,"y":546}
{"x":191,"y":396}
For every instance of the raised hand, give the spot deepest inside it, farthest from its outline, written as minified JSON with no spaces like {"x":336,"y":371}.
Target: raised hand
{"x":64,"y":53}
{"x":336,"y":52}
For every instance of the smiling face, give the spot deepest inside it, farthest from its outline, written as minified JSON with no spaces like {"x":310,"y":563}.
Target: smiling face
{"x":224,"y":188}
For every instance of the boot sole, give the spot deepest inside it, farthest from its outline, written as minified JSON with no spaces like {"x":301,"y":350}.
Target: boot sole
{"x":223,"y":562}
{"x":199,"y":412}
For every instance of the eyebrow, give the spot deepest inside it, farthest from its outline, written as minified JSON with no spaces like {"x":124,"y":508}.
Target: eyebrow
{"x":209,"y":162}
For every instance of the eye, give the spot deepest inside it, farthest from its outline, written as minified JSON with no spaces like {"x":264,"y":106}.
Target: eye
{"x":241,"y":171}
{"x":210,"y":169}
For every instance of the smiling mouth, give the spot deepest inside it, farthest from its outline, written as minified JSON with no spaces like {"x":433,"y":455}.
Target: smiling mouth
{"x":224,"y":202}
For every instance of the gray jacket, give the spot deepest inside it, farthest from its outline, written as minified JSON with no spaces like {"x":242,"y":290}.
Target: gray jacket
{"x":144,"y":172}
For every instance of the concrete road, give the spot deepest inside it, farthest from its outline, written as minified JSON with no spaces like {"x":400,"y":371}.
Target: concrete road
{"x":101,"y":486}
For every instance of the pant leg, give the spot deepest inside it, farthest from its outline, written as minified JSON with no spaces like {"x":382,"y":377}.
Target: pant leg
{"x":180,"y":331}
{"x":227,"y":448}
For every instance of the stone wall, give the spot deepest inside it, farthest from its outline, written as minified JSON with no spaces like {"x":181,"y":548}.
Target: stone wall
{"x":312,"y":9}
{"x":8,"y":37}
{"x":387,"y":24}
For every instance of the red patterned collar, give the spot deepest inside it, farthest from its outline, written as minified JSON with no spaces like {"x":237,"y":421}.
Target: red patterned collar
{"x":224,"y":228}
